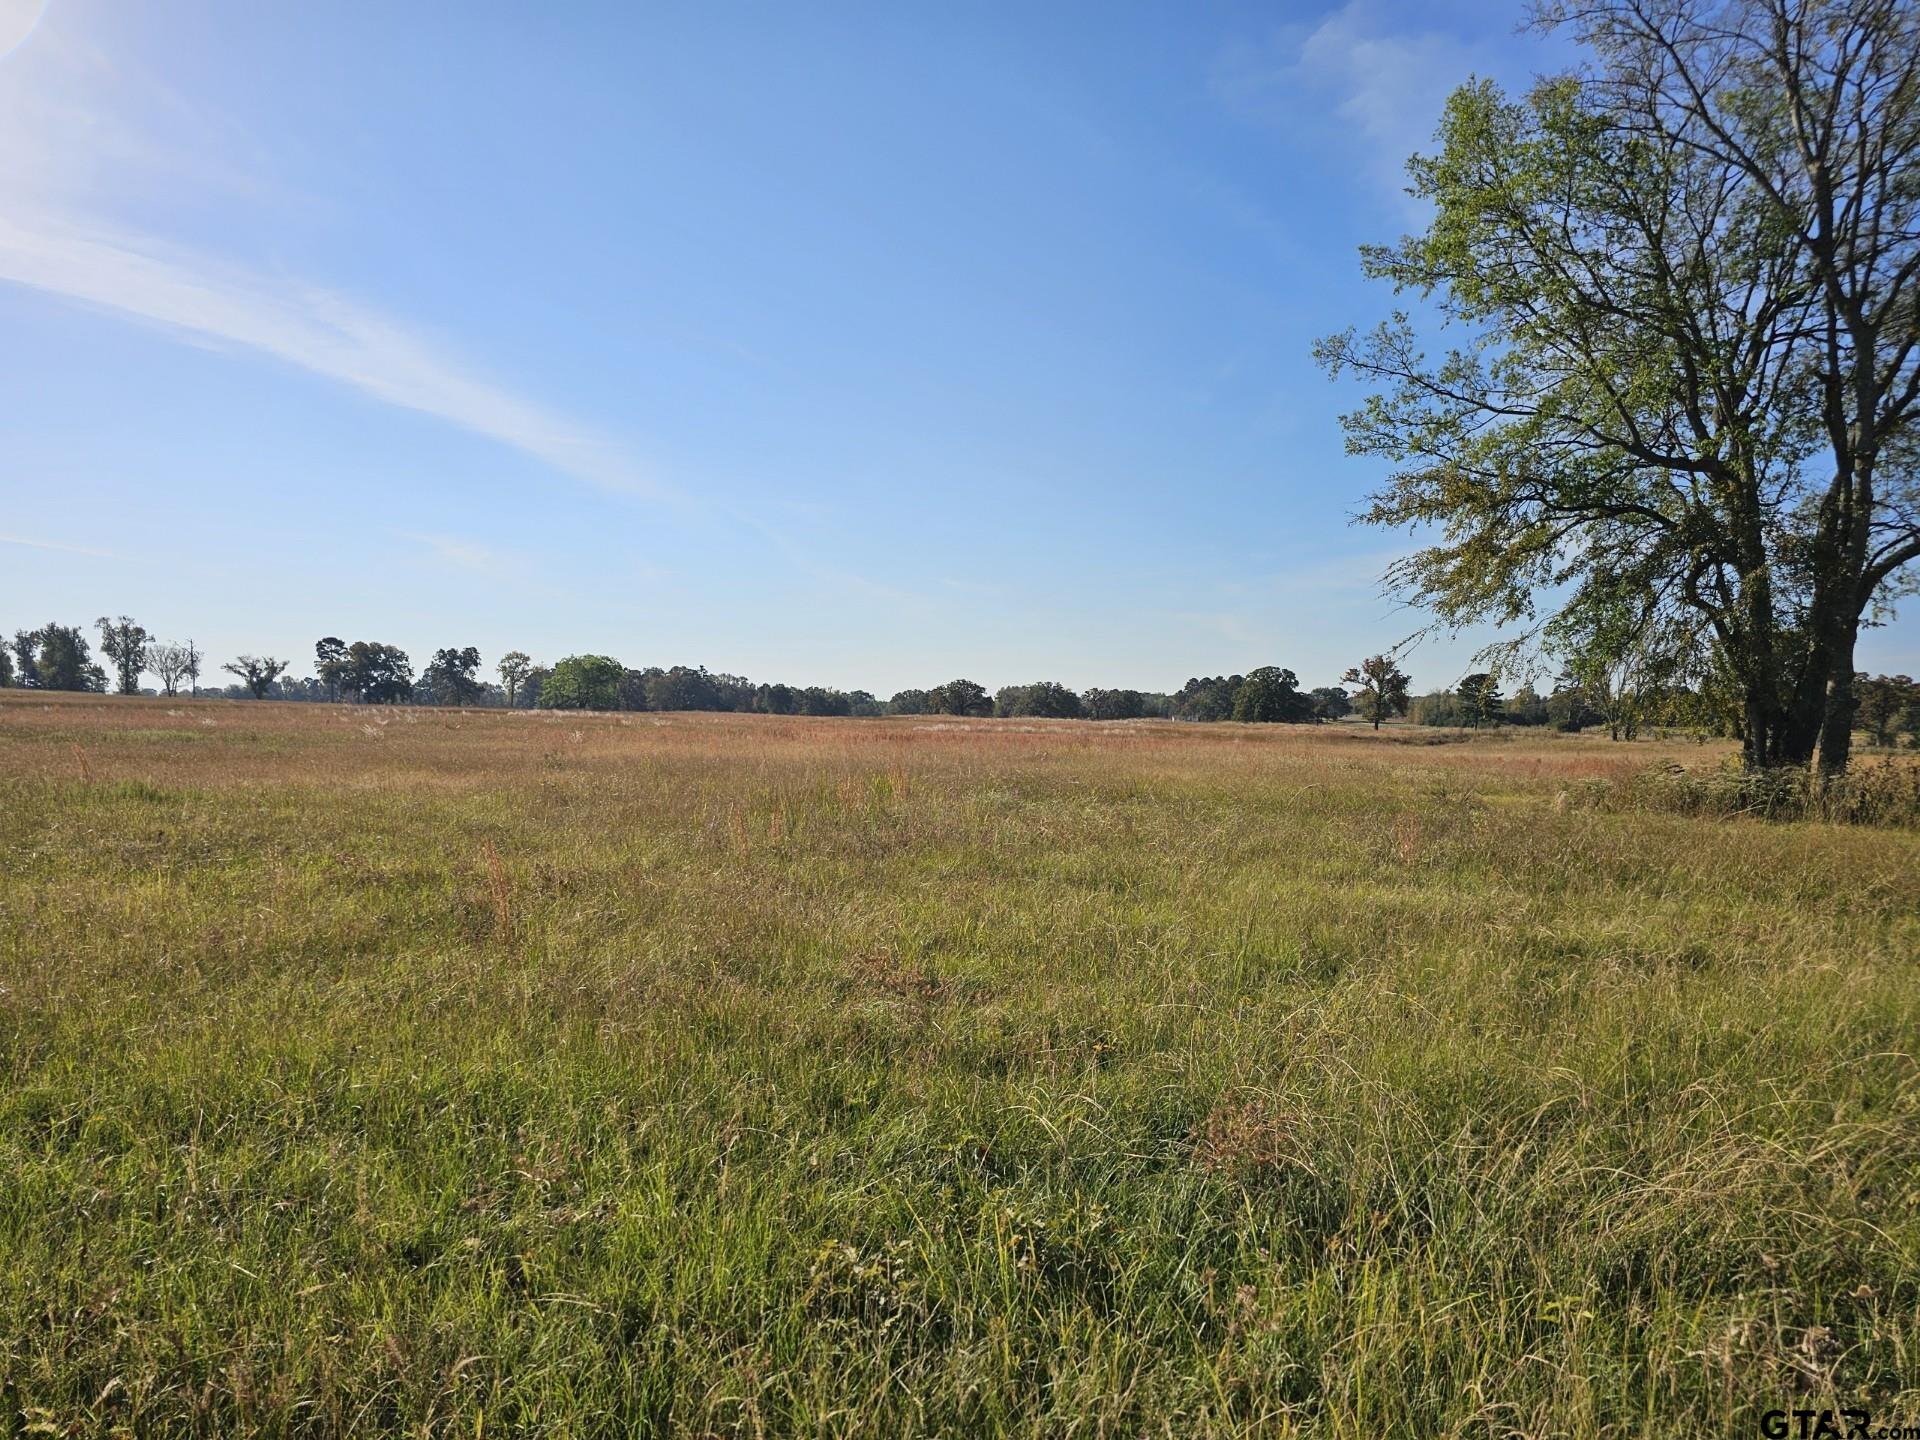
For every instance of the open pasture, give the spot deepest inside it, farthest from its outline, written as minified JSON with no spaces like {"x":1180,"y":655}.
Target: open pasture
{"x":488,"y":1073}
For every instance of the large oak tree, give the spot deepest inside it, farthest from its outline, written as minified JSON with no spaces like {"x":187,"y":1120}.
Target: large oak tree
{"x":1681,"y":408}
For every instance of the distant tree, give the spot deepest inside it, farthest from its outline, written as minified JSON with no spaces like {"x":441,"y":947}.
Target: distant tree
{"x":633,"y":688}
{"x":823,"y":700}
{"x":1480,"y":700}
{"x":1206,"y":698}
{"x":331,"y":662}
{"x":26,"y":647}
{"x":193,"y":668}
{"x":1626,"y":669}
{"x":307,"y":689}
{"x":910,"y":702}
{"x":1053,"y":701}
{"x":6,"y":668}
{"x":684,"y":687}
{"x":583,"y":682}
{"x":1908,"y":723}
{"x":531,"y":687}
{"x":1271,"y":696}
{"x":863,"y":704}
{"x":125,"y":644}
{"x":690,"y":687}
{"x":1437,"y":707}
{"x":379,"y":674}
{"x":959,"y":697}
{"x":776,"y":700}
{"x":451,"y":676}
{"x":1468,"y":693}
{"x":1044,"y":699}
{"x":514,"y":667}
{"x":1381,"y":687}
{"x":1569,"y":709}
{"x":1098,"y":704}
{"x":730,"y":692}
{"x":1882,"y":700}
{"x":256,"y":672}
{"x":1526,"y":707}
{"x":1330,"y":702}
{"x":57,"y":657}
{"x":170,"y":661}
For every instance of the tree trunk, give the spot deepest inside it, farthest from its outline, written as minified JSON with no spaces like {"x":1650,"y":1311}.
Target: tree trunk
{"x":1835,"y":743}
{"x":1760,"y":746}
{"x":1817,"y":729}
{"x":1759,"y":665}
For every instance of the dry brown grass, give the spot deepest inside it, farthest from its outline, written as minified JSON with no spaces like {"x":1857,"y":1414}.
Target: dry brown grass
{"x":231,"y":742}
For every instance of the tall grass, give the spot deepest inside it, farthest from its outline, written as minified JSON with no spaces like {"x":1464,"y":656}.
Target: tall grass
{"x":1882,"y":792}
{"x":495,"y":1074}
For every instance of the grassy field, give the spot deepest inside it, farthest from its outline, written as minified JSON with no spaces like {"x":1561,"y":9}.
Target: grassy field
{"x":497,"y":1074}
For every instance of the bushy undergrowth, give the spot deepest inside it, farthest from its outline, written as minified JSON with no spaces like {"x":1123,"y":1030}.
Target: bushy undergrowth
{"x":1884,"y":792}
{"x":428,"y":1074}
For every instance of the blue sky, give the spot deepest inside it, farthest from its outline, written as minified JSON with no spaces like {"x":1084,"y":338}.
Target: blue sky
{"x":865,"y":345}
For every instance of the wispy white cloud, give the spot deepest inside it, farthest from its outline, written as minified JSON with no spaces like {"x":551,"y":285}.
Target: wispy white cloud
{"x":313,"y":329}
{"x":87,"y":129}
{"x":1386,"y":85}
{"x":33,"y":544}
{"x":87,"y":139}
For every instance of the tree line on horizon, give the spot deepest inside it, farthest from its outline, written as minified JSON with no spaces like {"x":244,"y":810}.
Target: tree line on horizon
{"x":60,"y":657}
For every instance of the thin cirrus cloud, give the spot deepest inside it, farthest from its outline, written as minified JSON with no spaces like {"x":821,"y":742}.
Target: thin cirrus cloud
{"x":55,"y":545}
{"x":82,"y":131}
{"x":313,"y":329}
{"x":1387,"y":84}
